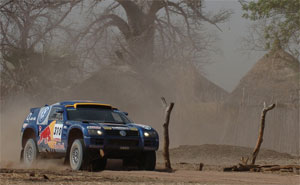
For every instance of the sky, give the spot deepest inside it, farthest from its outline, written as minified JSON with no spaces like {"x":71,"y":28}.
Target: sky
{"x":232,"y":63}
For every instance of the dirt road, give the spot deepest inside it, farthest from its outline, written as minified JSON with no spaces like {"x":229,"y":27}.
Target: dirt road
{"x":42,"y":176}
{"x":185,"y":161}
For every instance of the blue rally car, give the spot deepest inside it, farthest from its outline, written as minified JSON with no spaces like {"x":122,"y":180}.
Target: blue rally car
{"x":86,"y":134}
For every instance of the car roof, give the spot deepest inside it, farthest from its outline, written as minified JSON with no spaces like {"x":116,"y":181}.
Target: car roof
{"x":73,"y":102}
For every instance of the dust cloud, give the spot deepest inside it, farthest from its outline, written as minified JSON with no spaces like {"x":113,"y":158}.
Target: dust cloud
{"x":12,"y":117}
{"x":193,"y":120}
{"x":199,"y":116}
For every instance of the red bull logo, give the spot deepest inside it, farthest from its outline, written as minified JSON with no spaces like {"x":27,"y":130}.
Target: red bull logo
{"x":45,"y":136}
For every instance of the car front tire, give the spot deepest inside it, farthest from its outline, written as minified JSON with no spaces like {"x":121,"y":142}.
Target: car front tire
{"x":148,"y":161}
{"x":77,"y":155}
{"x":30,"y":153}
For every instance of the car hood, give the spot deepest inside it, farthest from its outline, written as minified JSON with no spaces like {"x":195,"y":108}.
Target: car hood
{"x":129,"y":126}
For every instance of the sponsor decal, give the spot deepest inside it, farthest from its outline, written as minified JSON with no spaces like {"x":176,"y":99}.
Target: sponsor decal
{"x":93,"y":127}
{"x":51,"y":136}
{"x":43,"y":115}
{"x":120,"y":128}
{"x":144,"y":126}
{"x":57,"y":132}
{"x":122,"y":133}
{"x":45,"y":136}
{"x":30,"y":118}
{"x":124,"y":148}
{"x":107,"y":128}
{"x":59,"y":146}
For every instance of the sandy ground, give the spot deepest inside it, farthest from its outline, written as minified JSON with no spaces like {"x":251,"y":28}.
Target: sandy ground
{"x":41,"y":176}
{"x":185,"y":162}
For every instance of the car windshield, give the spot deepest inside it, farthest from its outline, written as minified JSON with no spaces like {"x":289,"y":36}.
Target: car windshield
{"x":103,"y":115}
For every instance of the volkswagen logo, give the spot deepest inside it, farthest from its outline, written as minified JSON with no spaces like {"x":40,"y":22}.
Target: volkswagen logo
{"x":122,"y":133}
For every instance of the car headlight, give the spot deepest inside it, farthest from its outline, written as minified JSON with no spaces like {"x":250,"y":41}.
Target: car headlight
{"x":95,"y":132}
{"x":146,"y":134}
{"x":150,"y":134}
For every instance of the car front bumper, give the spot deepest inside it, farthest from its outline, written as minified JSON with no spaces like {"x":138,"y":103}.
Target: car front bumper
{"x":121,"y":143}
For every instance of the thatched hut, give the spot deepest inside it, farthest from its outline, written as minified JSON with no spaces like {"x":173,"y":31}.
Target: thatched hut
{"x":273,"y":79}
{"x":196,"y":98}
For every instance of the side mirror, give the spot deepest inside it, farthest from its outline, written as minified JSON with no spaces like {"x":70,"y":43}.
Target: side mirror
{"x":126,"y":113}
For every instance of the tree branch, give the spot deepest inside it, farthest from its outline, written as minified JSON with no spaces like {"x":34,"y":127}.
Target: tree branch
{"x":114,"y":20}
{"x":3,"y":5}
{"x":53,"y":26}
{"x":164,"y":102}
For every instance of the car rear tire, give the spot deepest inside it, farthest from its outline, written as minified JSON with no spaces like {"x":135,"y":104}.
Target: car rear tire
{"x":77,"y":155}
{"x":148,"y":161}
{"x":22,"y":155}
{"x":30,"y":153}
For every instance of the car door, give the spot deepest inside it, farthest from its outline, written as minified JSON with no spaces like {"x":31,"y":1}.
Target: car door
{"x":43,"y":129}
{"x":56,"y":126}
{"x":50,"y":129}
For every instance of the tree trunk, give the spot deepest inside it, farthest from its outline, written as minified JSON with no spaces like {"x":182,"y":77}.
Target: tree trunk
{"x":141,"y":23}
{"x":166,"y":133}
{"x":141,"y":46}
{"x":261,"y":131}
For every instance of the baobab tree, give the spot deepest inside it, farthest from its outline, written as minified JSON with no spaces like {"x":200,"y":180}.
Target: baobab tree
{"x":141,"y":22}
{"x":139,"y":26}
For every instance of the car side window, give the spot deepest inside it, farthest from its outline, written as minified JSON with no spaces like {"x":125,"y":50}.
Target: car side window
{"x":55,"y":115}
{"x":117,"y":117}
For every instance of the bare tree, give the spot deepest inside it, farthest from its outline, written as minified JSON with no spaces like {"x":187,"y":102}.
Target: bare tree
{"x":168,"y":111}
{"x":25,"y":27}
{"x":24,"y":24}
{"x":139,"y":22}
{"x":261,"y":131}
{"x":138,"y":27}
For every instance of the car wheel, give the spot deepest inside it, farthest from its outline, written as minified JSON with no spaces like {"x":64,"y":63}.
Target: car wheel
{"x":99,"y":164}
{"x":30,"y":152}
{"x":148,"y":161}
{"x":77,"y":155}
{"x":129,"y":162}
{"x":22,"y":155}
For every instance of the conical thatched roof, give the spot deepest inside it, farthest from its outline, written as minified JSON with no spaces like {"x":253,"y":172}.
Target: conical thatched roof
{"x":273,"y":79}
{"x":113,"y":84}
{"x":140,"y":93}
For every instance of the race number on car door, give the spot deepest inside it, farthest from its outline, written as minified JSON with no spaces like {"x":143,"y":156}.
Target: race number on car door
{"x":57,"y":132}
